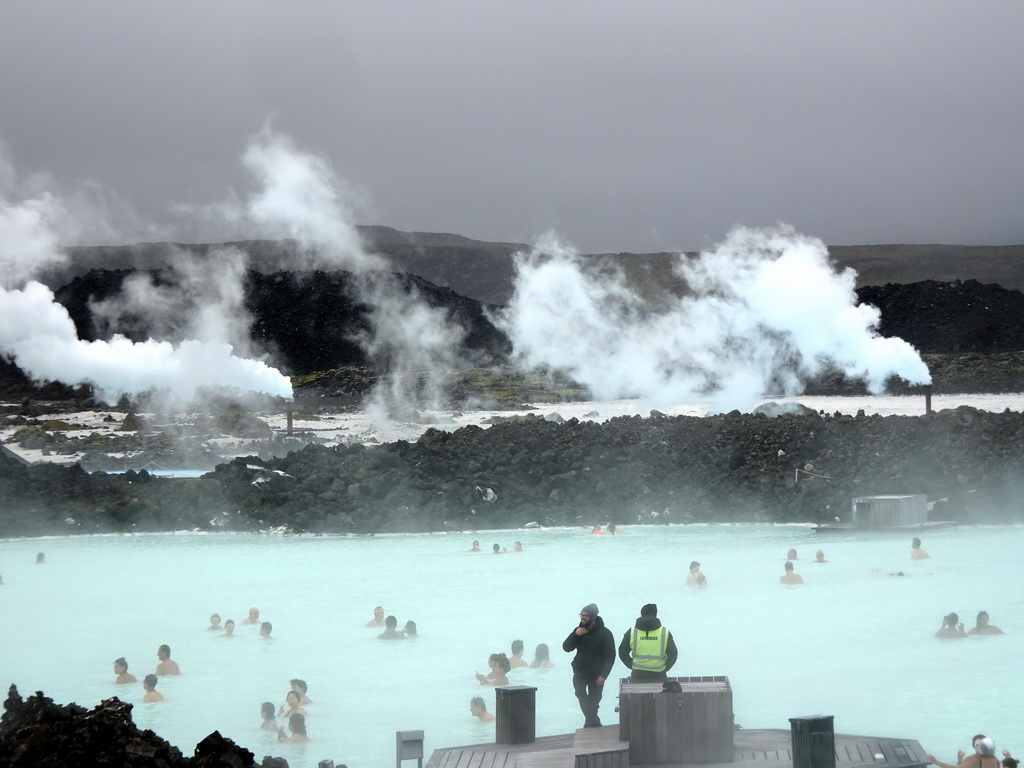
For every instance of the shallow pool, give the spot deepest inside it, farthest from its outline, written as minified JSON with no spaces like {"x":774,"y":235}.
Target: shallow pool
{"x":854,"y":641}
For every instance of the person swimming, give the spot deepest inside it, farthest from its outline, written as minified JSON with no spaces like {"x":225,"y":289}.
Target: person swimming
{"x":297,"y":725}
{"x":478,"y":709}
{"x":215,"y":623}
{"x":499,"y":664}
{"x":293,"y":704}
{"x":299,"y":686}
{"x":149,"y":686}
{"x":542,"y":657}
{"x":409,"y":630}
{"x":121,"y":670}
{"x":951,"y":627}
{"x":391,"y":630}
{"x":229,"y":629}
{"x":252,"y":618}
{"x":167,"y":665}
{"x":982,"y":627}
{"x":789,"y":577}
{"x":378,"y":617}
{"x":265,"y":629}
{"x":267,"y":714}
{"x":916,"y":553}
{"x":517,"y":660}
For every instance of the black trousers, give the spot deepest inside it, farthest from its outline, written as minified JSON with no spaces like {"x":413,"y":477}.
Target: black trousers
{"x":589,"y":694}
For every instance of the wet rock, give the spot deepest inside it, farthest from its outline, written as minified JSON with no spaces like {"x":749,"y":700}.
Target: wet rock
{"x":38,"y":733}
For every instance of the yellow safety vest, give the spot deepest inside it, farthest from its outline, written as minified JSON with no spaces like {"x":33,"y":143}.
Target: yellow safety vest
{"x":649,"y":649}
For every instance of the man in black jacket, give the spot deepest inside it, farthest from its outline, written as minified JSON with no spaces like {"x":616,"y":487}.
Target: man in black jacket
{"x":595,"y":655}
{"x":648,"y":648}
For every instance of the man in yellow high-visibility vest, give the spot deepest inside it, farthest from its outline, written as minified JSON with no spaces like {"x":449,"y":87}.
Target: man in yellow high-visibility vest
{"x":648,"y":648}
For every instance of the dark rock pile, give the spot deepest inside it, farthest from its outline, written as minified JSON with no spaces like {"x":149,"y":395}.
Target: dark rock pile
{"x":950,"y":318}
{"x":37,"y":733}
{"x":308,"y":321}
{"x":733,"y":467}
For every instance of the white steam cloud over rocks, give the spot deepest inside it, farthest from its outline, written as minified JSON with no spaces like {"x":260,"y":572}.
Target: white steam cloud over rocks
{"x":302,"y":198}
{"x":201,"y":299}
{"x":767,"y":312}
{"x":38,"y":334}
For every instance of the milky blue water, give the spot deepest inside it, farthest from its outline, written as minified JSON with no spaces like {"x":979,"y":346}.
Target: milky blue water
{"x":853,"y":641}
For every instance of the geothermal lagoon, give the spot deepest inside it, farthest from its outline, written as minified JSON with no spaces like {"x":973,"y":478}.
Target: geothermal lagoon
{"x":855,"y":641}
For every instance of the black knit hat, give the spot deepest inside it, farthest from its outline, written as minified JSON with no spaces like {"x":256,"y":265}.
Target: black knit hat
{"x":649,"y":610}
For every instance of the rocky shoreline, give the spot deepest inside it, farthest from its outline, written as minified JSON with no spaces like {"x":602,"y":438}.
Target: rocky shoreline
{"x":38,"y":733}
{"x":793,"y":467}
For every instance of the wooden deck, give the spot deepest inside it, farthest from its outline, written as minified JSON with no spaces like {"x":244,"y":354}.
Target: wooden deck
{"x":601,"y":748}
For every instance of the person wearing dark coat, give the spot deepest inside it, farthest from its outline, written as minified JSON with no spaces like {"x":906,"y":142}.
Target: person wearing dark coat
{"x":648,"y":648}
{"x":595,"y":655}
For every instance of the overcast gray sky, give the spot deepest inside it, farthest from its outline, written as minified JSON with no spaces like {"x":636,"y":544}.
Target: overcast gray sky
{"x":632,"y":126}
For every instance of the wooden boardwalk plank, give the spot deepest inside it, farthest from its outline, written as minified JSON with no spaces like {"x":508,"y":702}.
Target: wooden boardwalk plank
{"x":755,"y":748}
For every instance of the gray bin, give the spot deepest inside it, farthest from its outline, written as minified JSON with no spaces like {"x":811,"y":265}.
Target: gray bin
{"x":814,"y":741}
{"x":515,"y":715}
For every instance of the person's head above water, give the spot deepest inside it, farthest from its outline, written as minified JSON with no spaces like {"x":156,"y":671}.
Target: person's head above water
{"x":163,"y":652}
{"x":477,"y":705}
{"x":788,"y":566}
{"x":982,"y":618}
{"x":791,"y":555}
{"x":541,"y":653}
{"x":120,"y":666}
{"x":915,"y":543}
{"x":694,"y":566}
{"x":410,"y":627}
{"x":517,"y":647}
{"x":266,"y":628}
{"x":267,"y":710}
{"x":297,"y":724}
{"x":951,"y":620}
{"x":391,"y":622}
{"x":149,"y":682}
{"x":298,"y":685}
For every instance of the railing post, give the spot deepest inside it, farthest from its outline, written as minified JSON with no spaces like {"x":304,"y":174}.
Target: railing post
{"x":408,"y":746}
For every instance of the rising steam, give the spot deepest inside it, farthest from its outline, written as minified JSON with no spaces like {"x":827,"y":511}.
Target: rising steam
{"x":302,"y":198}
{"x":39,"y":335}
{"x":767,"y":312}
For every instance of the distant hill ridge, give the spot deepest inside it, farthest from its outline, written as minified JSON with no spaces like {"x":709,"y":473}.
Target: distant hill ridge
{"x":484,"y":270}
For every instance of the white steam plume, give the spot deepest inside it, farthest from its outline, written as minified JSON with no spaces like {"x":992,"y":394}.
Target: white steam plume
{"x":301,"y":197}
{"x":48,"y":349}
{"x":38,"y":334}
{"x":767,"y":312}
{"x":200,"y":298}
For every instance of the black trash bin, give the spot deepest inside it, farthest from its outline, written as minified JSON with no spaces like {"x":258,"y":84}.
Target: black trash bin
{"x":515,"y":716}
{"x":814,"y":741}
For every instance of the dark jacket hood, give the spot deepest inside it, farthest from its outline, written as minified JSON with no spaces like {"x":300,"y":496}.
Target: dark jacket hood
{"x":648,"y":623}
